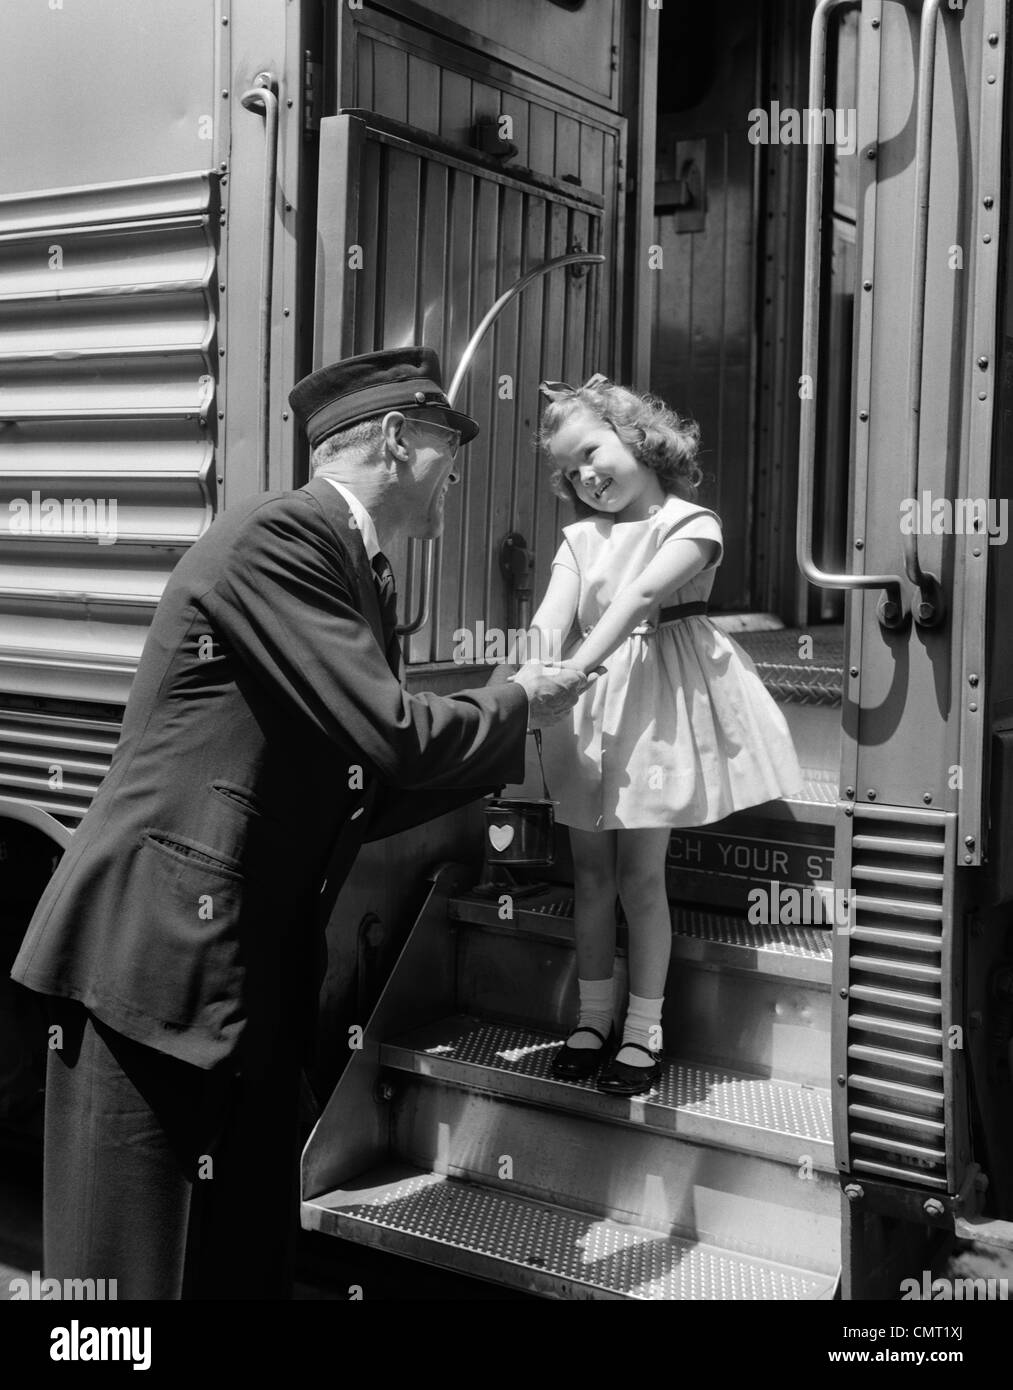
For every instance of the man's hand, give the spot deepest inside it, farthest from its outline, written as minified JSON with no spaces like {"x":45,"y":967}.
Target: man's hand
{"x":551,"y":691}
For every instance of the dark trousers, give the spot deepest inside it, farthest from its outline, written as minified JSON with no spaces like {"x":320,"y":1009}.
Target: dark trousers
{"x":175,"y":1181}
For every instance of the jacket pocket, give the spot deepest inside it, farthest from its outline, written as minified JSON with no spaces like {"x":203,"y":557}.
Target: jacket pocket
{"x":184,"y":960}
{"x":242,"y":797}
{"x":192,"y":852}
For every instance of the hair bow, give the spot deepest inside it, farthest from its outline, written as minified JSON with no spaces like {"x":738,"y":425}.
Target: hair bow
{"x":559,"y":390}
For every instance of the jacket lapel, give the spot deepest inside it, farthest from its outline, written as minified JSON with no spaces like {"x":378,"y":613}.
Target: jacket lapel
{"x":336,"y":510}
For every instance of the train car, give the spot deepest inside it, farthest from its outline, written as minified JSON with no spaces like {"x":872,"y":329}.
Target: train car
{"x":791,"y":220}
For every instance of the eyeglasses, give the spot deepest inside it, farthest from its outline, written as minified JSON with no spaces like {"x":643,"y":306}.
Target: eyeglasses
{"x":453,"y":436}
{"x":559,"y":390}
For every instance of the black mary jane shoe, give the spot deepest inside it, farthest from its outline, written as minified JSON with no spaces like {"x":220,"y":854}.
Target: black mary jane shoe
{"x":579,"y":1063}
{"x":620,"y":1079}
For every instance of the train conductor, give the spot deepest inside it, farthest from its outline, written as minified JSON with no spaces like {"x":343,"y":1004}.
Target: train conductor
{"x":267,"y":735}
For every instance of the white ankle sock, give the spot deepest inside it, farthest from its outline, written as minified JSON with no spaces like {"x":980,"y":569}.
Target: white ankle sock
{"x":596,"y":1001}
{"x":643,"y":1026}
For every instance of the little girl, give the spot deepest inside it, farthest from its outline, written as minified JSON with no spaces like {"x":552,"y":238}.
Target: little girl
{"x":677,"y":730}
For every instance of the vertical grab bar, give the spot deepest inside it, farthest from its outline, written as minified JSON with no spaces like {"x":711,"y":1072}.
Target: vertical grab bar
{"x":264,"y":92}
{"x":930,"y":608}
{"x":474,"y":342}
{"x":891,"y":605}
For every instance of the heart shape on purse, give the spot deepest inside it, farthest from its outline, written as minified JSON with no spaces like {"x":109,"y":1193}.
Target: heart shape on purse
{"x":500,"y":836}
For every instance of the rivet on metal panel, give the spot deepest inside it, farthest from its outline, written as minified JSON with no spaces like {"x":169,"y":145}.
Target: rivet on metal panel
{"x":841,"y":1080}
{"x":990,"y":78}
{"x":849,"y":810}
{"x":225,"y":94}
{"x":871,"y":152}
{"x":972,"y":680}
{"x":871,"y":794}
{"x":221,"y":414}
{"x":982,"y":395}
{"x":225,"y":19}
{"x":993,"y":39}
{"x":969,"y":841}
{"x":875,"y":23}
{"x":221,"y":352}
{"x":927,"y":798}
{"x":863,"y":415}
{"x":968,"y":858}
{"x":854,"y":670}
{"x":854,"y":1192}
{"x":286,"y":312}
{"x":849,"y":791}
{"x":223,"y":166}
{"x":983,"y":363}
{"x":973,"y":709}
{"x":988,"y":201}
{"x":932,"y":1206}
{"x":859,"y":544}
{"x":284,"y":414}
{"x":867,"y":285}
{"x":987,"y":237}
{"x":977,"y":552}
{"x":844,"y":994}
{"x":289,"y":102}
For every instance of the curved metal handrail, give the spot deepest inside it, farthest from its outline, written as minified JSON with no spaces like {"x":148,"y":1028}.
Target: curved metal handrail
{"x":891,"y":605}
{"x":264,"y":92}
{"x":930,"y":607}
{"x":474,"y":343}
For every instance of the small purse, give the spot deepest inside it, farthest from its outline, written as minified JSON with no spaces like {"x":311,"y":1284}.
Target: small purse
{"x":520,"y":831}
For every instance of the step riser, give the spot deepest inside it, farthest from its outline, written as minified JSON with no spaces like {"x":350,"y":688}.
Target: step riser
{"x":778,"y":1211}
{"x":762,"y":1025}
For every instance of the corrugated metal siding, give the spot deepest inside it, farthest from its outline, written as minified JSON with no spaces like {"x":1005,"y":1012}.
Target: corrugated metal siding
{"x":448,"y":240}
{"x":108,"y":363}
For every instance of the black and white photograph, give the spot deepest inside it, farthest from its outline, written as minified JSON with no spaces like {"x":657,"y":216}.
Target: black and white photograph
{"x":506,"y":682}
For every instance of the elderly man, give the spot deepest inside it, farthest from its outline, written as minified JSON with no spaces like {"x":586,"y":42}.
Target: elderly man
{"x":266,"y":736}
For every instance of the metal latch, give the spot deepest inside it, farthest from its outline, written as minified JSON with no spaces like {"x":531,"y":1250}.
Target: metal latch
{"x":312,"y":94}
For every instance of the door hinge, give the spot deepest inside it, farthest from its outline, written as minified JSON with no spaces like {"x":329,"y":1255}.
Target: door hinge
{"x":312,"y":94}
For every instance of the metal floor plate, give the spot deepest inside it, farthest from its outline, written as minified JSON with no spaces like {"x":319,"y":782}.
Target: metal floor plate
{"x":475,"y":1229}
{"x":686,"y":1089}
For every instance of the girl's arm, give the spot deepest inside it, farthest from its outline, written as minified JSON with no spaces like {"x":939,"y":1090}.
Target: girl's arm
{"x":673,"y":566}
{"x":553,"y":620}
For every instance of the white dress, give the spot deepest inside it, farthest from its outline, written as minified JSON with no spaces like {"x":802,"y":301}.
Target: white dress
{"x":680,"y":730}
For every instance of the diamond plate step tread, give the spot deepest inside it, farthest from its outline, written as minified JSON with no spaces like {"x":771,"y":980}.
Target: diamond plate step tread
{"x":543,"y":1248}
{"x":816,"y":679}
{"x":698,"y":934}
{"x":691,"y":1101}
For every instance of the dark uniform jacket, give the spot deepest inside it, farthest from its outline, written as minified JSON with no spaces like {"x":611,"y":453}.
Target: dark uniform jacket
{"x":265,"y":737}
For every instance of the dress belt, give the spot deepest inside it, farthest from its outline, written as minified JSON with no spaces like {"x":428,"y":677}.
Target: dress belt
{"x":667,"y":615}
{"x":683,"y":610}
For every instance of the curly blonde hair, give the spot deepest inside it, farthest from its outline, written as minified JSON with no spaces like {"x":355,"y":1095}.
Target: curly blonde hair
{"x":657,"y":436}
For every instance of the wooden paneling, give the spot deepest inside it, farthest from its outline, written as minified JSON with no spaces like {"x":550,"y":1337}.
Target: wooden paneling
{"x":704,"y":303}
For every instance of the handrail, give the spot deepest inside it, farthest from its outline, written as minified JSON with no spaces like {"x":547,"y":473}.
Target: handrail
{"x":930,"y":608}
{"x":474,"y":342}
{"x":891,"y":605}
{"x":264,"y":92}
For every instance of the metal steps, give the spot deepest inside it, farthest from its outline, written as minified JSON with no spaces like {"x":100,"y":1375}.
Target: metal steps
{"x":449,"y":1141}
{"x":541,"y":1248}
{"x":690,"y":1101}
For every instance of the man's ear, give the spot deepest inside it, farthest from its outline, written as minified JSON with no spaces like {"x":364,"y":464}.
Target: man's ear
{"x":392,"y":427}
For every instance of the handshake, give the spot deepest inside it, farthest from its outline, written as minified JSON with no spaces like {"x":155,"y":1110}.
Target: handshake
{"x":551,"y":690}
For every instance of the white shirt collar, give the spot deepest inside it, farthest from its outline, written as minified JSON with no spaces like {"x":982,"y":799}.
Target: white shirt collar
{"x":360,"y":516}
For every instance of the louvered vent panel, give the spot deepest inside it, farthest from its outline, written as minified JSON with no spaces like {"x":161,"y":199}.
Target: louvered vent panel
{"x":55,"y":760}
{"x":108,"y":369}
{"x":896,"y":1044}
